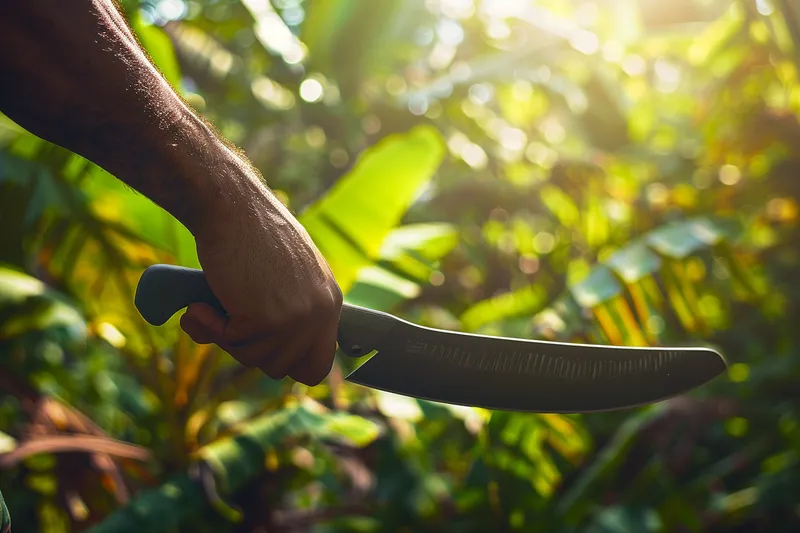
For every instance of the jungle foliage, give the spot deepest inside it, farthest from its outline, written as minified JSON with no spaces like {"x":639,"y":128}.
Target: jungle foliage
{"x":604,"y":171}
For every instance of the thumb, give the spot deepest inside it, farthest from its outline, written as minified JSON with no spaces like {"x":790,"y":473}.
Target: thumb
{"x":203,"y":323}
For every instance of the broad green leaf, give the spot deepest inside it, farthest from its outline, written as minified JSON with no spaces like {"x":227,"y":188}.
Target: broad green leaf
{"x":350,"y":223}
{"x":321,"y":27}
{"x":27,"y":305}
{"x":413,"y":248}
{"x":113,"y":201}
{"x":240,"y":457}
{"x":159,"y":48}
{"x":431,"y":241}
{"x":526,"y":301}
{"x":349,"y":39}
{"x":563,"y":319}
{"x":678,"y":240}
{"x":348,"y":429}
{"x":7,"y":443}
{"x":409,"y":249}
{"x":566,"y":435}
{"x":9,"y":130}
{"x":611,"y":455}
{"x":598,"y":287}
{"x":634,"y":262}
{"x":157,"y":510}
{"x":561,"y":205}
{"x":397,"y":406}
{"x":626,"y":519}
{"x":712,"y":231}
{"x":236,"y":459}
{"x":379,"y":288}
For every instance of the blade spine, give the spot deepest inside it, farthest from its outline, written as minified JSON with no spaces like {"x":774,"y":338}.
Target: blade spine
{"x":541,"y":342}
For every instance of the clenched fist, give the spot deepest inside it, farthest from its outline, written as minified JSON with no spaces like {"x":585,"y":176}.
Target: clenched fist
{"x":282,"y":301}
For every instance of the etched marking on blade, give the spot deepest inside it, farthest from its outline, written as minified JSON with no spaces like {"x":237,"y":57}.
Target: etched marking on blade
{"x":544,"y":365}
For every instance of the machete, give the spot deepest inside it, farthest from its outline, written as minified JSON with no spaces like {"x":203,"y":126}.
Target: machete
{"x":475,"y":370}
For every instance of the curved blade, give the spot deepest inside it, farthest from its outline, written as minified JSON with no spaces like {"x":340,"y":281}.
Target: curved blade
{"x":458,"y":368}
{"x":519,"y":375}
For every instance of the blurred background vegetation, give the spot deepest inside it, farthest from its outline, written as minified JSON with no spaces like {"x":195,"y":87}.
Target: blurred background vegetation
{"x":605,"y":171}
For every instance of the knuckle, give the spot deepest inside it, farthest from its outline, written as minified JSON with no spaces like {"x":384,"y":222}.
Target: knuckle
{"x":338,"y":296}
{"x":329,"y":302}
{"x":301,"y":309}
{"x":306,"y":307}
{"x":270,"y":318}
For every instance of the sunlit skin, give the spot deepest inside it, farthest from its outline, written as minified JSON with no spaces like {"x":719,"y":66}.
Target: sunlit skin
{"x":73,"y":74}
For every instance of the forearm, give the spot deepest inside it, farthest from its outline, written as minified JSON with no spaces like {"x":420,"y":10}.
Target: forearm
{"x":73,"y":74}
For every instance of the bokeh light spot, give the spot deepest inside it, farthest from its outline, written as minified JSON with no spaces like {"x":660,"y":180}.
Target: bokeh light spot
{"x":311,"y":90}
{"x":729,"y":174}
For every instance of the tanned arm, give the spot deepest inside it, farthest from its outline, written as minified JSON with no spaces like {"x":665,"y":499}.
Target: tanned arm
{"x":72,"y":73}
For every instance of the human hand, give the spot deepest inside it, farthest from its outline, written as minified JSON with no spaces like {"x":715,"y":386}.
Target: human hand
{"x":76,"y":77}
{"x":282,"y":300}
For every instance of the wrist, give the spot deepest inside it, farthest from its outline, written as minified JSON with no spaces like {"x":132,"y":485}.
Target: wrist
{"x":222,"y":190}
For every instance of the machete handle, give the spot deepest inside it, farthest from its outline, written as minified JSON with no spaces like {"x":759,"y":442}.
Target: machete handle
{"x":163,"y":290}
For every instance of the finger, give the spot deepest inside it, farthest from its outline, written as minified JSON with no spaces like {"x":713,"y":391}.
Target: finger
{"x":256,"y":353}
{"x":287,"y":354}
{"x":203,"y":323}
{"x":253,"y":328}
{"x":318,"y":361}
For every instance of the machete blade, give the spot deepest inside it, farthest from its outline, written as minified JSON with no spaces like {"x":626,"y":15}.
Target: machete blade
{"x":475,"y":370}
{"x":515,"y":374}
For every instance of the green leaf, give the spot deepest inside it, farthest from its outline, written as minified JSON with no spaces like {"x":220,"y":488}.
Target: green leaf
{"x":409,"y":250}
{"x":625,"y":519}
{"x":349,"y":40}
{"x":431,"y":240}
{"x":346,"y":428}
{"x":379,"y":288}
{"x":320,"y":29}
{"x":561,"y":205}
{"x":27,"y":305}
{"x":598,"y":287}
{"x":412,"y":249}
{"x":112,"y":201}
{"x":236,"y":459}
{"x":609,"y":457}
{"x":157,"y":510}
{"x":525,"y":301}
{"x":351,"y":222}
{"x":634,"y":262}
{"x":681,"y":239}
{"x":159,"y":48}
{"x":564,"y":319}
{"x":397,"y":406}
{"x":7,"y":443}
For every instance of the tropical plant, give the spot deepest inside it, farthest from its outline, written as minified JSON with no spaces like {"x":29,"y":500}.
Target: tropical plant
{"x":607,"y":172}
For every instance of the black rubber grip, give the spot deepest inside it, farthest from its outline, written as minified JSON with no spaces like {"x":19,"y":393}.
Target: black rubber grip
{"x":163,"y":290}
